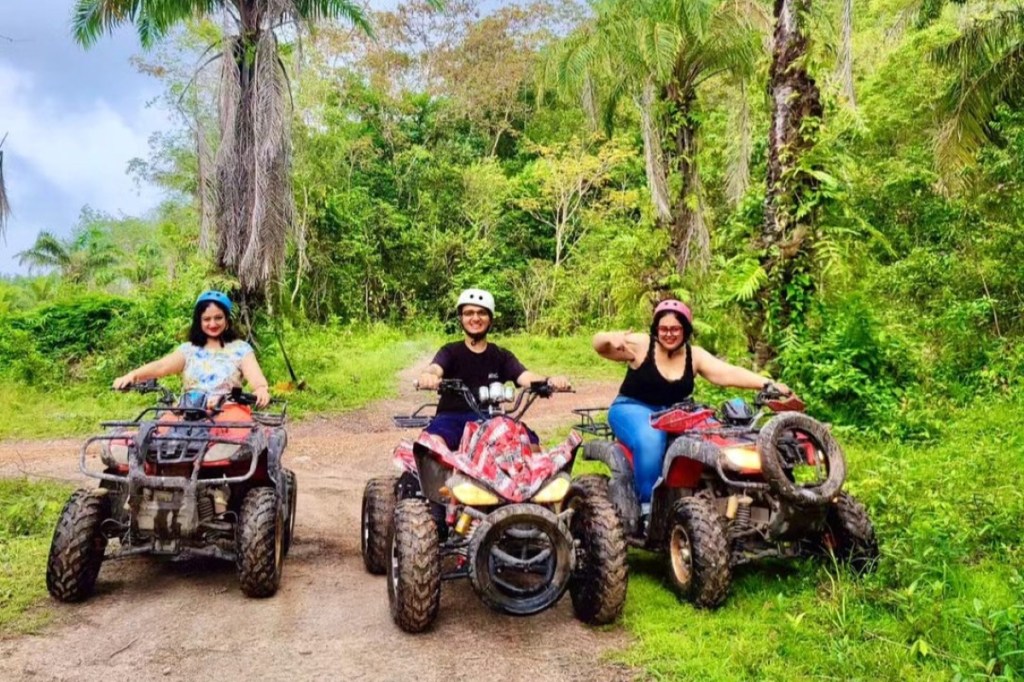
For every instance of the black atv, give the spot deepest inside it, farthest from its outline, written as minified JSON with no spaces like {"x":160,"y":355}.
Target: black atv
{"x":182,"y":479}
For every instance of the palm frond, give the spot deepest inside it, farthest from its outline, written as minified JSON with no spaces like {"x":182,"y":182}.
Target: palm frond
{"x":47,"y":252}
{"x":313,"y":11}
{"x":983,"y":41}
{"x":151,"y":18}
{"x":971,"y":102}
{"x":5,"y":204}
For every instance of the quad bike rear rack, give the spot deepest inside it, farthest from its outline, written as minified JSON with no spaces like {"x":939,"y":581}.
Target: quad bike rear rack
{"x":589,"y":424}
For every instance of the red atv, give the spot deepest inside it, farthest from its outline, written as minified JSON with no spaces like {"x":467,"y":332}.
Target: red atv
{"x":736,"y":486}
{"x":498,"y":511}
{"x":181,"y":479}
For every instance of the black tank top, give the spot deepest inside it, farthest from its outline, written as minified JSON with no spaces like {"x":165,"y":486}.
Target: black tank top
{"x":646,"y":384}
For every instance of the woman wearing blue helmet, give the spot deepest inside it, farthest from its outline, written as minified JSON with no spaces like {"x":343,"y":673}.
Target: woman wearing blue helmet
{"x":213,"y":360}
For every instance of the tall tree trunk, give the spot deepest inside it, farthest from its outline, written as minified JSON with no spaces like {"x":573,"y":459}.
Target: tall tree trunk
{"x":255,"y":207}
{"x":691,"y":242}
{"x":737,"y":179}
{"x":846,"y":54}
{"x":654,"y":156}
{"x":794,"y":100}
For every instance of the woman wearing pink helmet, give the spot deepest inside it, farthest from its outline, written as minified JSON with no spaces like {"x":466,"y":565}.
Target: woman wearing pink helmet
{"x":661,"y":369}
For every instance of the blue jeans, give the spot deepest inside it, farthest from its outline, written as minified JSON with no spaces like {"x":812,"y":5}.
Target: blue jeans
{"x":631,"y":423}
{"x":450,"y":425}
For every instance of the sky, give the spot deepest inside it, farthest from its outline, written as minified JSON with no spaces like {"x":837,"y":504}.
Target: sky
{"x":74,"y":118}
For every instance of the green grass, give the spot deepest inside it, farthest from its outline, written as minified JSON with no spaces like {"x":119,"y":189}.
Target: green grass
{"x":571,"y":356}
{"x":28,"y":512}
{"x":346,"y":368}
{"x":947,"y":599}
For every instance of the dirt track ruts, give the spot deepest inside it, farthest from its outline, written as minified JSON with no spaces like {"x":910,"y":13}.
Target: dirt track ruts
{"x":154,"y":619}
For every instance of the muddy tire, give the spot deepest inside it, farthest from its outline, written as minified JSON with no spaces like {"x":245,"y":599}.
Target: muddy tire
{"x":850,"y":535}
{"x":377,"y":510}
{"x":698,"y":554}
{"x":414,"y":567}
{"x":590,"y":484}
{"x":291,"y":494}
{"x":772,"y":464}
{"x":76,"y":551}
{"x":259,"y":543}
{"x":598,"y":583}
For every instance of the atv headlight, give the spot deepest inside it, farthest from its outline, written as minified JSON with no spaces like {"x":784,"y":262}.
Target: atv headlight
{"x":742,"y":459}
{"x":554,"y":491}
{"x":469,"y":493}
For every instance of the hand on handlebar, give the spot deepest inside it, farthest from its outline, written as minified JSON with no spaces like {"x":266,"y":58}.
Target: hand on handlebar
{"x":428,"y":382}
{"x":560,"y":383}
{"x":124,"y":383}
{"x":777,"y":392}
{"x":262,"y":394}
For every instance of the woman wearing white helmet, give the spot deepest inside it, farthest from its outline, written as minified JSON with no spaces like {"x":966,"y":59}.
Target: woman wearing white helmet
{"x":213,"y":360}
{"x":476,"y":362}
{"x":662,"y":365}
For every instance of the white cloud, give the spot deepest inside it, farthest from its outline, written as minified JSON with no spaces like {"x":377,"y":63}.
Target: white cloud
{"x":82,"y":152}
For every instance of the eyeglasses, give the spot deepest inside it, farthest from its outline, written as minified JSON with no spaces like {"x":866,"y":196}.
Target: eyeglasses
{"x":475,"y":313}
{"x":669,"y":330}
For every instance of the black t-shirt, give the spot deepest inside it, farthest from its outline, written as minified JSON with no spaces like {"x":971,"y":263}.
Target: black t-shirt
{"x":475,"y":370}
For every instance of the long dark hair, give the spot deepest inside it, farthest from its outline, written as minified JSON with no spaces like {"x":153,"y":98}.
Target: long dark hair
{"x":195,"y":333}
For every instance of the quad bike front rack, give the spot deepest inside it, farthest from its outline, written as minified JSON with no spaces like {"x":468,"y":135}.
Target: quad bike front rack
{"x":416,"y":420}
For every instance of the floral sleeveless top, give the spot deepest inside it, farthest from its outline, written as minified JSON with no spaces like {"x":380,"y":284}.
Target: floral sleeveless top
{"x":214,"y":372}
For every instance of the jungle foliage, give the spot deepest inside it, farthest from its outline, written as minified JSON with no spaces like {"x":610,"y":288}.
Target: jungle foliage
{"x":449,"y":150}
{"x":507,"y":148}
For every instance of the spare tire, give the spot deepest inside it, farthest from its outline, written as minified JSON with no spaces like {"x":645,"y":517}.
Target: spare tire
{"x":521,"y":559}
{"x":780,"y":476}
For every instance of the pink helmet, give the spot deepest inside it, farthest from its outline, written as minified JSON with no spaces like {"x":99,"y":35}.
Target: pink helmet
{"x":674,"y":306}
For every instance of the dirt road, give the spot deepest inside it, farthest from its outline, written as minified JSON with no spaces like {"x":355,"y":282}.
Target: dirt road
{"x":188,"y":620}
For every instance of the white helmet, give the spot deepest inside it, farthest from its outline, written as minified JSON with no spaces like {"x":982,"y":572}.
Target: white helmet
{"x":477,"y":297}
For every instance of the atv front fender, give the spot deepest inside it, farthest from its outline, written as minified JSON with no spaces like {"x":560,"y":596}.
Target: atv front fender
{"x":622,"y":487}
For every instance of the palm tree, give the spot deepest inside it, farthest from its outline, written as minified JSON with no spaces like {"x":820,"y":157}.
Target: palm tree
{"x":86,"y":256}
{"x":254,"y":206}
{"x":988,"y":60}
{"x":660,"y":53}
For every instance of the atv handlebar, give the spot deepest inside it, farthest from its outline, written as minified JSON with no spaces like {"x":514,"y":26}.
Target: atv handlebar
{"x":151,"y":386}
{"x":536,"y":389}
{"x":776,"y":400}
{"x":237,"y":396}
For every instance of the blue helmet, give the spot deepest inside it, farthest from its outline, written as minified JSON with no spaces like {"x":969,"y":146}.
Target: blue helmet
{"x":215,"y":297}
